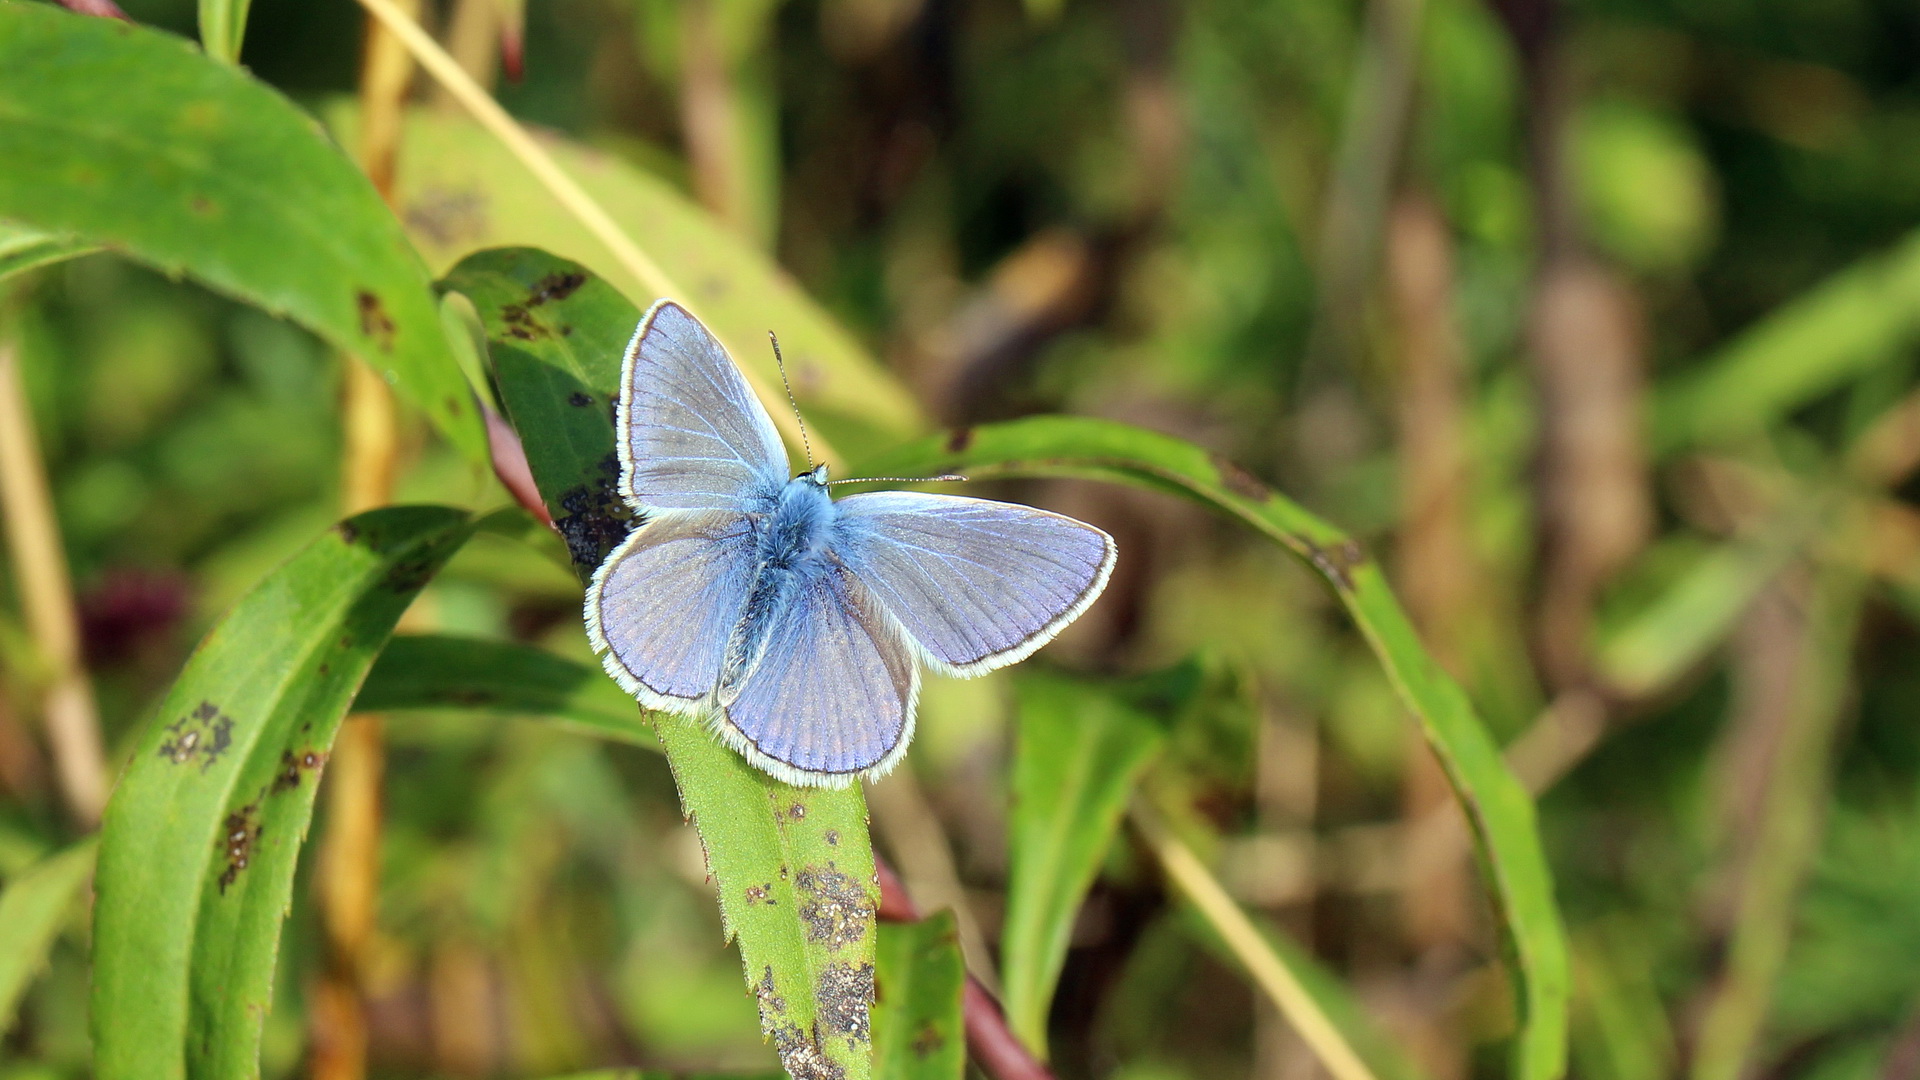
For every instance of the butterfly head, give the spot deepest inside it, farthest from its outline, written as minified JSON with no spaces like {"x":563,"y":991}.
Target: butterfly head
{"x":817,"y":476}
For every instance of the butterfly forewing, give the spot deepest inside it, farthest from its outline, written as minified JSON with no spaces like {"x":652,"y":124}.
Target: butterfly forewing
{"x":834,"y":692}
{"x":692,"y":435}
{"x":976,"y":583}
{"x":661,"y":606}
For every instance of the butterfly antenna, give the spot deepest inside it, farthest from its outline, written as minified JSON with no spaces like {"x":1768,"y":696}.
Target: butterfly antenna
{"x":784,"y":381}
{"x":943,"y":478}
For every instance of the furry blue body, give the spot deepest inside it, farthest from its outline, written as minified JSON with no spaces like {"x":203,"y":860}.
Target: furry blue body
{"x":792,"y":548}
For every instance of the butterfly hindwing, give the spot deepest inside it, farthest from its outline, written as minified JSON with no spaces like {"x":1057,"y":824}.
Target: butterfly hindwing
{"x":692,"y":435}
{"x":833,"y":694}
{"x":662,"y":604}
{"x":977,"y":584}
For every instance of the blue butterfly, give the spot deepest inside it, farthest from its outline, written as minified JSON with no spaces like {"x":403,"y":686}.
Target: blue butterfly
{"x":796,"y":623}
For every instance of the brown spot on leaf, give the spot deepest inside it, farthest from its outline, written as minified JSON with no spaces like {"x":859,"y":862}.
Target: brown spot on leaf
{"x":520,"y":324}
{"x":771,"y":1003}
{"x":238,"y":835}
{"x":845,"y":994}
{"x":348,"y":531}
{"x":579,"y":400}
{"x":832,"y":837}
{"x":801,"y":1056}
{"x":1338,"y":561}
{"x":1240,"y":481}
{"x":927,"y":1040}
{"x":835,"y":909}
{"x":761,"y":894}
{"x":555,"y":286}
{"x":202,"y":735}
{"x":293,"y":766}
{"x":201,"y":205}
{"x":375,"y":323}
{"x":959,"y":440}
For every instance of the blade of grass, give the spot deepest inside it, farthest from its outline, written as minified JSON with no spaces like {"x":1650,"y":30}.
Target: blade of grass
{"x":918,"y":1032}
{"x":1266,"y":966}
{"x":1501,"y":812}
{"x":124,"y":136}
{"x":201,"y":836}
{"x":1859,"y":317}
{"x":39,"y":564}
{"x":33,"y":907}
{"x":1077,"y":753}
{"x":793,"y":866}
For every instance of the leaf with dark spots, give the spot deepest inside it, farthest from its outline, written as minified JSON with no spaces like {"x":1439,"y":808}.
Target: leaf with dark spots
{"x":347,"y":530}
{"x":560,"y":392}
{"x":959,"y":439}
{"x":835,"y":909}
{"x":125,"y":137}
{"x":845,"y":996}
{"x":197,"y":864}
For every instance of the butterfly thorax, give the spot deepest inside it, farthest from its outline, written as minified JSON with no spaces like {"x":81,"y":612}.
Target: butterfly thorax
{"x":792,"y":541}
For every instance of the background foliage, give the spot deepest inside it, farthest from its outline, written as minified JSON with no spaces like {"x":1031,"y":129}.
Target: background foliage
{"x":1591,"y":325}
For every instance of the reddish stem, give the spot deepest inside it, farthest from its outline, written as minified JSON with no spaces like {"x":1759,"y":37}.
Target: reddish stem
{"x":510,"y":465}
{"x":106,"y":9}
{"x":996,"y":1049}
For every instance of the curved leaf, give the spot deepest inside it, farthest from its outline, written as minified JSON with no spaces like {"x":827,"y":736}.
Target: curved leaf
{"x":1078,"y":752}
{"x":1499,"y":809}
{"x":33,"y":907}
{"x":198,"y":849}
{"x":919,"y":1032}
{"x":126,"y":137}
{"x":427,"y":671}
{"x":793,"y":866}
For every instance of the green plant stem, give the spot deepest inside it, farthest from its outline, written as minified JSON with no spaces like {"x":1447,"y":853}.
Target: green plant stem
{"x":46,"y":593}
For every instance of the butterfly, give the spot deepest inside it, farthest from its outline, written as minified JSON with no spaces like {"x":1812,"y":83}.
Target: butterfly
{"x":795,"y":623}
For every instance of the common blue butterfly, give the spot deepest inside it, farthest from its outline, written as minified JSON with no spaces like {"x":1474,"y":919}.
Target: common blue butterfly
{"x":793,"y":622}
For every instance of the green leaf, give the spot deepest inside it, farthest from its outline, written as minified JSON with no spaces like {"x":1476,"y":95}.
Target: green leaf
{"x":1648,"y":651}
{"x":223,"y":25}
{"x":794,"y":869}
{"x":33,"y":908}
{"x":919,"y":1032}
{"x":458,"y":189}
{"x":1857,"y":319}
{"x":197,"y":853}
{"x":1499,"y":809}
{"x":1078,"y":751}
{"x":118,"y":135}
{"x":793,"y":866}
{"x":426,"y":671}
{"x":22,"y":249}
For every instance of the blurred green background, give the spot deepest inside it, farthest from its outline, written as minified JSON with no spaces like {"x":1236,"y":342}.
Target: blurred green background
{"x":1597,"y":321}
